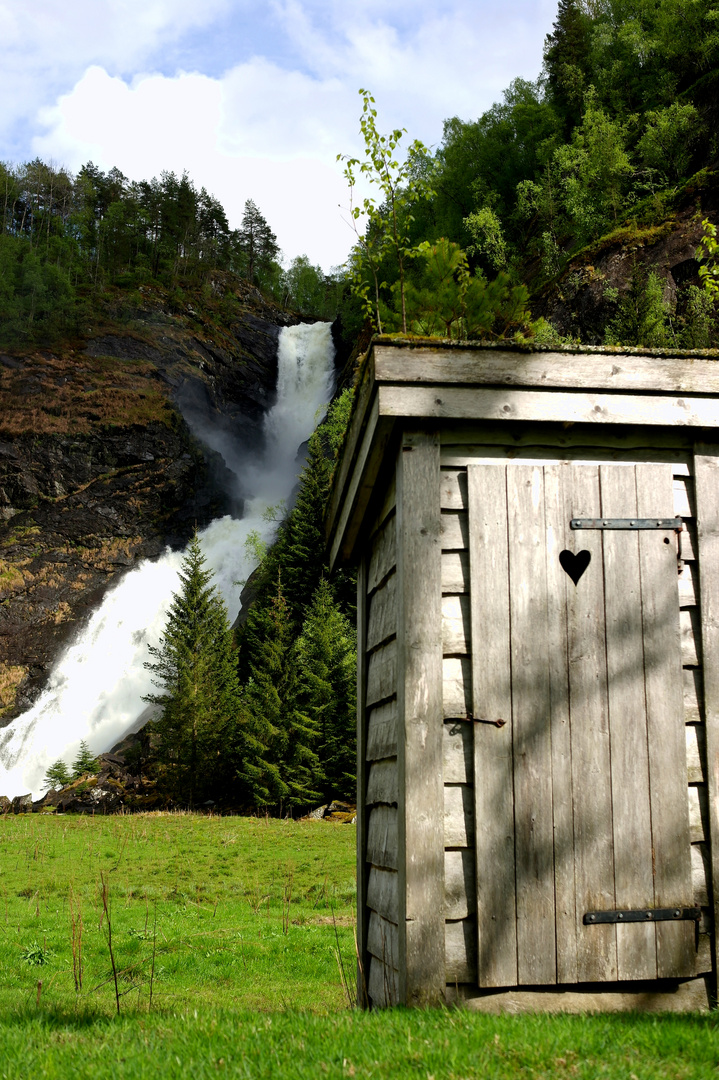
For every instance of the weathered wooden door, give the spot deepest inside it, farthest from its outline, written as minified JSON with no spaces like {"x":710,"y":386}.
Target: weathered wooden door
{"x":580,"y":774}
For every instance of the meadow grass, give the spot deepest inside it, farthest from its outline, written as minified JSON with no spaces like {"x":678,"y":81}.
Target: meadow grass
{"x":224,"y":934}
{"x":236,"y":912}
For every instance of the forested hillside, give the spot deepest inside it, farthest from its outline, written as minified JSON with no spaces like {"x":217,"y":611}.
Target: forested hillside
{"x":581,"y":208}
{"x":72,"y":245}
{"x":587,"y":188}
{"x":612,"y":151}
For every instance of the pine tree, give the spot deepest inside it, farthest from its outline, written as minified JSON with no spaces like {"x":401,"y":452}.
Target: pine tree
{"x":57,"y":775}
{"x":288,"y":770}
{"x":325,"y":692}
{"x":256,"y":243}
{"x":85,"y":762}
{"x":204,"y":746}
{"x":566,"y":60}
{"x":291,"y":769}
{"x":298,"y":553}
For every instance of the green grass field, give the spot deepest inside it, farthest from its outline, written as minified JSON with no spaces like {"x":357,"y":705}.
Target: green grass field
{"x":225,"y":934}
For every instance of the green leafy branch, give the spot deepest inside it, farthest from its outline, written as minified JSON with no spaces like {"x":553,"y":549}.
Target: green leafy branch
{"x":708,"y":255}
{"x":389,"y":219}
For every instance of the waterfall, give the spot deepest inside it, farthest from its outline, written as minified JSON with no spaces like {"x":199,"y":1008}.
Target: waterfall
{"x":96,"y":687}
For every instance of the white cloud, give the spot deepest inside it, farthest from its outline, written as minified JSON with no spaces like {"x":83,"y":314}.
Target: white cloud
{"x":270,"y":130}
{"x":46,"y":48}
{"x":433,"y":60}
{"x":114,"y":31}
{"x":260,"y":133}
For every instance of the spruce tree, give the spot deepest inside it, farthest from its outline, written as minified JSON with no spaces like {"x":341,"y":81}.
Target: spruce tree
{"x":57,"y":775}
{"x":85,"y":762}
{"x":284,"y":712}
{"x":289,"y":770}
{"x":256,"y":243}
{"x":204,"y":742}
{"x":298,"y":553}
{"x":325,"y":691}
{"x":566,"y":60}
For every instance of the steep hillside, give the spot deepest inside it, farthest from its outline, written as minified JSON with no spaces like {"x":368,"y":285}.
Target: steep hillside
{"x":661,"y":238}
{"x":105,"y":452}
{"x":578,"y":196}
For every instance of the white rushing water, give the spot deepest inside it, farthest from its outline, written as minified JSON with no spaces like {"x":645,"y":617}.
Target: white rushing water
{"x":96,"y":688}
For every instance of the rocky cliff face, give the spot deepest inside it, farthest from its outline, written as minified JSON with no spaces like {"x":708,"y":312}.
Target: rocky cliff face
{"x":104,"y":455}
{"x":585,"y":298}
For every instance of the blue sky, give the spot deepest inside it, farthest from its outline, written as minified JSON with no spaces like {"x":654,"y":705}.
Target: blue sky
{"x":254,"y":100}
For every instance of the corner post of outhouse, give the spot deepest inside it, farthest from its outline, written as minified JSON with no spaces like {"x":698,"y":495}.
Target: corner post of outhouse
{"x":706,"y":466}
{"x":419,"y":695}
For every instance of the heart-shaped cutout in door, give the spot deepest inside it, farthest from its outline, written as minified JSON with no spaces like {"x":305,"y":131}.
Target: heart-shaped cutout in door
{"x":575,"y":564}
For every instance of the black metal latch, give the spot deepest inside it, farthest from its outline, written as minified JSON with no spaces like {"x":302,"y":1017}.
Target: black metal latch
{"x":667,"y":914}
{"x":674,"y":523}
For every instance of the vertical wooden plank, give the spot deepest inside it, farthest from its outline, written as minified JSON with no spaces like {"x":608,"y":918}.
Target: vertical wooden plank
{"x":381,"y":680}
{"x":458,"y":748}
{"x":557,"y":519}
{"x":421,"y":725}
{"x":362,"y":867}
{"x":591,"y":773}
{"x":665,"y":721}
{"x":492,"y":701}
{"x":384,"y":555}
{"x":382,"y":731}
{"x":706,"y":472}
{"x":531,"y":735}
{"x":633,"y":873}
{"x":382,"y":984}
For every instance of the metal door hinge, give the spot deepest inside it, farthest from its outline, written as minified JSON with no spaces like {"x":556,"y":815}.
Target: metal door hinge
{"x":669,"y":914}
{"x":674,"y":523}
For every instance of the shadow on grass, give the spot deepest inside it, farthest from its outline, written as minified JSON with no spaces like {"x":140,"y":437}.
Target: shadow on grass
{"x":618,"y":1026}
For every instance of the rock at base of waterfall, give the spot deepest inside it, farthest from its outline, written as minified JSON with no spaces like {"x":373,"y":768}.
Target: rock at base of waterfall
{"x":113,"y":788}
{"x":334,"y":811}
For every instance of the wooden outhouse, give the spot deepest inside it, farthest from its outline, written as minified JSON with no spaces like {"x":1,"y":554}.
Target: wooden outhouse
{"x":537,"y":543}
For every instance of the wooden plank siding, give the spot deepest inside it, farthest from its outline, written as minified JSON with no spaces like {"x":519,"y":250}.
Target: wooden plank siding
{"x":692,"y":637}
{"x":667,"y":742}
{"x":461,"y":935}
{"x":377,"y":712}
{"x":492,"y":710}
{"x":351,"y":502}
{"x":383,"y":984}
{"x":382,"y":837}
{"x":382,"y":731}
{"x":382,"y":618}
{"x":556,"y":515}
{"x":382,"y":674}
{"x":400,"y":364}
{"x":601,"y":389}
{"x":558,"y":406}
{"x":362,"y":867}
{"x":531,"y":719}
{"x":383,"y":940}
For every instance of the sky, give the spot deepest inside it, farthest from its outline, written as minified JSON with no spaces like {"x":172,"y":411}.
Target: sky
{"x":254,"y":100}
